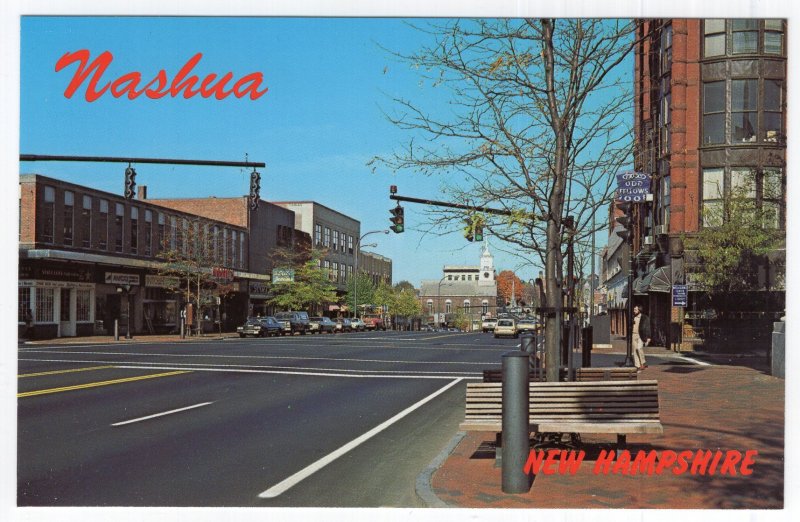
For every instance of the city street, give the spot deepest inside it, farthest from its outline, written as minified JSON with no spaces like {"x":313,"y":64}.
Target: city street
{"x":335,"y":420}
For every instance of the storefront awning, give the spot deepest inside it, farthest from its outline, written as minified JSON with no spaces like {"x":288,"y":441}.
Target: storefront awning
{"x":642,"y":284}
{"x":662,"y":280}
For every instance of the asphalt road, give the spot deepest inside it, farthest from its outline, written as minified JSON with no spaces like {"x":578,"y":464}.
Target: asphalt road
{"x":335,"y":421}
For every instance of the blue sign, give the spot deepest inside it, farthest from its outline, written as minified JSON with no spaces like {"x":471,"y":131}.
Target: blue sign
{"x":680,"y":295}
{"x":632,"y":186}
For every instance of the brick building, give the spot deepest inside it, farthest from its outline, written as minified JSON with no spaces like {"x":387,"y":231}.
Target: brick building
{"x":88,"y":258}
{"x":710,"y":100}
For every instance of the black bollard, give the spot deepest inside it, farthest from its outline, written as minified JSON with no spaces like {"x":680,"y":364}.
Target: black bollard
{"x":586,"y":349}
{"x":515,"y":436}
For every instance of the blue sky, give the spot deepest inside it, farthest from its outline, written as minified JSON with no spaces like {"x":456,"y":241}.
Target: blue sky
{"x":322,"y":120}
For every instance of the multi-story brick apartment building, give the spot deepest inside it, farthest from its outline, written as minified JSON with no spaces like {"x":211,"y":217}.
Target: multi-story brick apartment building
{"x":376,"y":266}
{"x":710,"y":108}
{"x":270,"y":227}
{"x":88,"y":258}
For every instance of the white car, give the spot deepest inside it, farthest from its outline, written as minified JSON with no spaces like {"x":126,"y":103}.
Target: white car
{"x":487,"y":325}
{"x":357,"y":325}
{"x":507,"y":327}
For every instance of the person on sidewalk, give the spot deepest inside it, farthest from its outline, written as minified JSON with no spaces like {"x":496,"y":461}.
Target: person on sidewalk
{"x":641,"y":337}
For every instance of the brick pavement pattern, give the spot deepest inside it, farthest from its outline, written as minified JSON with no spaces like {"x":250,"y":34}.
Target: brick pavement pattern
{"x":702,"y":407}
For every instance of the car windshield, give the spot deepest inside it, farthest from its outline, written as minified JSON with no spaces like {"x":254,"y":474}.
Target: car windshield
{"x":254,"y":322}
{"x":505,"y":323}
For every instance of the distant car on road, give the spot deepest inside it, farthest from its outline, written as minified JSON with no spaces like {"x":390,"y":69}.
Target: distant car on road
{"x":357,"y":324}
{"x":506,"y":327}
{"x":374,"y":322}
{"x":343,"y":325}
{"x":527,"y":325}
{"x":321,"y":325}
{"x":259,"y":327}
{"x":488,"y":324}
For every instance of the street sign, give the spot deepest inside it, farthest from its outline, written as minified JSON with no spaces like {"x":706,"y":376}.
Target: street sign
{"x":282,"y":275}
{"x":680,"y":295}
{"x":632,"y":186}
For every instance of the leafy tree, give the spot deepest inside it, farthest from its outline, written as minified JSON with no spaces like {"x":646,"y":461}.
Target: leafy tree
{"x":539,"y":115}
{"x":508,"y":283}
{"x":384,"y":295}
{"x":461,"y":320}
{"x":407,"y":304}
{"x":404,"y":285}
{"x":311,"y":285}
{"x":362,"y":287}
{"x":737,"y":236}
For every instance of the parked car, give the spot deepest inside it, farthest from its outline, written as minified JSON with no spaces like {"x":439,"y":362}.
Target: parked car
{"x":320,"y":325}
{"x":488,"y":324}
{"x":292,"y":322}
{"x":427,"y":328}
{"x":506,"y":327}
{"x":374,"y":322}
{"x":259,"y":327}
{"x":527,"y":325}
{"x":343,"y":325}
{"x":357,"y":324}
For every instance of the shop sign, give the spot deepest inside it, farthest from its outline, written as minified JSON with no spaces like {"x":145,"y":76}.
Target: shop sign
{"x":55,"y":273}
{"x":282,"y":275}
{"x":259,"y":290}
{"x":680,"y":295}
{"x":30,"y":283}
{"x":632,"y":186}
{"x":157,"y":281}
{"x":222,"y":274}
{"x":114,"y":278}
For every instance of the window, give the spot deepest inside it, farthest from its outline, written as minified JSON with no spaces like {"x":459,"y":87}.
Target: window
{"x":664,"y":201}
{"x":327,"y":241}
{"x":69,"y":217}
{"x":49,"y":214}
{"x":466,"y":306}
{"x":185,"y":236}
{"x":773,"y":36}
{"x":744,"y":110}
{"x":713,"y":112}
{"x":430,"y":306}
{"x":349,"y":271}
{"x":241,"y":250}
{"x":86,"y":223}
{"x":234,"y":245}
{"x":772,"y":197}
{"x":148,"y":232}
{"x":83,"y":305}
{"x":23,"y":303}
{"x":119,"y":227}
{"x":449,"y":278}
{"x":745,"y":36}
{"x":342,"y":244}
{"x":336,"y":240}
{"x":45,"y":310}
{"x":317,"y":234}
{"x":103,"y":225}
{"x":714,"y":44}
{"x":335,"y":271}
{"x":448,"y":306}
{"x":713,"y":189}
{"x":666,"y":49}
{"x":484,"y":307}
{"x":773,"y":114}
{"x":134,"y":230}
{"x":162,"y":232}
{"x":173,"y":233}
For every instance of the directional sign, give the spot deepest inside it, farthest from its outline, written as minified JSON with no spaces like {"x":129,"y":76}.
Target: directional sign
{"x":632,"y":186}
{"x":680,"y":295}
{"x":282,"y":275}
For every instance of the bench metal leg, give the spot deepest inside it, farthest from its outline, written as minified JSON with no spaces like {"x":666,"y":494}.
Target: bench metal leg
{"x":622,"y":441}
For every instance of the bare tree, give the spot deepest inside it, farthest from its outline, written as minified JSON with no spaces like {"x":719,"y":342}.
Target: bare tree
{"x":539,"y":117}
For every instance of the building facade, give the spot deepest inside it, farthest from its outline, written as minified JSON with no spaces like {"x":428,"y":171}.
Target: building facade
{"x":710,"y":107}
{"x":89,"y":258}
{"x":468,"y":290}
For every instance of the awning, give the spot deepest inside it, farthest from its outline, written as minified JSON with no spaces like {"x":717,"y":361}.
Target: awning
{"x":662,"y":280}
{"x":642,"y":284}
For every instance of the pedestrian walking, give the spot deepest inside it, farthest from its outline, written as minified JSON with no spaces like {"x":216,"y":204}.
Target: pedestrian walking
{"x":641,"y":337}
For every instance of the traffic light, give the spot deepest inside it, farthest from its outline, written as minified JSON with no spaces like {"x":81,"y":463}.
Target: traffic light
{"x":130,"y":183}
{"x":397,"y":219}
{"x":624,"y":220}
{"x":255,"y":189}
{"x":478,"y":232}
{"x":469,"y":231}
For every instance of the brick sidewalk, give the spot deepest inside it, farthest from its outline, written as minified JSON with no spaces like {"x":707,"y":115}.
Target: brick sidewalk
{"x":702,"y":407}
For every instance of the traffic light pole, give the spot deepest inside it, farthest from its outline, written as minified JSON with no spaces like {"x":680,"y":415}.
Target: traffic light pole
{"x":629,"y":322}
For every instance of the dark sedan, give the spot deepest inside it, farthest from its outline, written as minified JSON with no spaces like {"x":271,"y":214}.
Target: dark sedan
{"x":260,"y":327}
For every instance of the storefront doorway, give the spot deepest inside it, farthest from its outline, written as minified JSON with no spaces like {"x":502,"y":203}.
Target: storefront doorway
{"x":67,"y":313}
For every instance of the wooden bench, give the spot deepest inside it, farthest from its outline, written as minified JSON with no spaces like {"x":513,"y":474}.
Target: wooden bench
{"x":557,"y":408}
{"x":616,"y":373}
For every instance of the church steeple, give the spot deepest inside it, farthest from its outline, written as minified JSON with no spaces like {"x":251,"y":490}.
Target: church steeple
{"x":487,"y":264}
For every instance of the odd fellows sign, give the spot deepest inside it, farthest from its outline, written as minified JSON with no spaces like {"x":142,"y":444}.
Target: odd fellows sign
{"x":632,"y":187}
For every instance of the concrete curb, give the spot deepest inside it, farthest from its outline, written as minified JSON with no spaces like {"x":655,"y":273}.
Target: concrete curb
{"x":424,"y":488}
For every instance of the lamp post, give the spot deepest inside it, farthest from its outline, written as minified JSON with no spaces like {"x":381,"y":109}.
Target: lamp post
{"x":438,"y":300}
{"x":357,"y":250}
{"x":126,"y":290}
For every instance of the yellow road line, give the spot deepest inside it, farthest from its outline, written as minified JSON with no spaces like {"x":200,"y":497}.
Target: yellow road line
{"x":64,"y":371}
{"x":101,"y":383}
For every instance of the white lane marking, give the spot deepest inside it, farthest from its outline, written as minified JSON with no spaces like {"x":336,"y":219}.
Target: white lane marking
{"x":695,"y":361}
{"x":162,"y":414}
{"x":290,"y":357}
{"x":312,"y":468}
{"x":319,"y":372}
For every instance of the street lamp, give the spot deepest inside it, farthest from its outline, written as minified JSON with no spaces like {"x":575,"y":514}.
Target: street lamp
{"x":126,"y":289}
{"x":355,"y":281}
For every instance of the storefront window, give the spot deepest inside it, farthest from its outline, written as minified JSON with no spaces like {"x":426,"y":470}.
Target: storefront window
{"x":83,"y":299}
{"x":45,"y":301}
{"x":23,"y":303}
